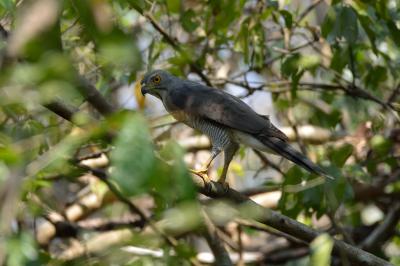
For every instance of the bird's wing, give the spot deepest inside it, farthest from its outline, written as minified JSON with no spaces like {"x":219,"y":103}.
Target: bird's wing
{"x":223,"y":108}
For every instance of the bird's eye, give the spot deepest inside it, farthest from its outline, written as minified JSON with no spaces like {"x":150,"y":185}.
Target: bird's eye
{"x":156,"y":79}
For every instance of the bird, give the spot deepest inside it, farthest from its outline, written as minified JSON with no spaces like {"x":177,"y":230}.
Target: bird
{"x":224,"y":118}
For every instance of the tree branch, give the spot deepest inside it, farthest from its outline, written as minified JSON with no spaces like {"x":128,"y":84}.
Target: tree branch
{"x":211,"y":235}
{"x":284,"y":223}
{"x":308,"y":10}
{"x":61,"y":109}
{"x":384,"y":230}
{"x":94,"y":97}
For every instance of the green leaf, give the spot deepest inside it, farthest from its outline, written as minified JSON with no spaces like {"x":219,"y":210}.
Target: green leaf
{"x":290,"y":203}
{"x":321,"y":249}
{"x":188,"y":20}
{"x":339,"y":155}
{"x":341,"y":23}
{"x":174,"y":181}
{"x":287,"y":16}
{"x":380,"y":144}
{"x":328,"y":23}
{"x":133,"y":158}
{"x":366,"y":23}
{"x":120,"y":52}
{"x":346,"y":24}
{"x":394,"y":31}
{"x":20,"y":249}
{"x":375,"y":77}
{"x":291,"y":65}
{"x":340,"y":59}
{"x":7,"y":4}
{"x":243,"y":39}
{"x":295,"y":82}
{"x":174,"y":5}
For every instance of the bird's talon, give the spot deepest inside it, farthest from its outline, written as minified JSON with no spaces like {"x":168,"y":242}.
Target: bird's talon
{"x":208,"y":186}
{"x":204,"y":176}
{"x":200,"y":173}
{"x":225,"y":186}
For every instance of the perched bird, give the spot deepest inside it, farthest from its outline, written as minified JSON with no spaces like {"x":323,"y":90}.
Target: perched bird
{"x":224,"y":118}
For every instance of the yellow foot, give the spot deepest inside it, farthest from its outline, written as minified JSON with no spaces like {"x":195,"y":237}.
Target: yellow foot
{"x":203,"y":172}
{"x":204,"y":175}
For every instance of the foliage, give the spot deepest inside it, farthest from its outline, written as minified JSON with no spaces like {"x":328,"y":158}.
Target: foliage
{"x":332,"y":66}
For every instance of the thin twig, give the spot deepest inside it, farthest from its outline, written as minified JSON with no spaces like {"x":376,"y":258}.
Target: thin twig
{"x":173,"y":42}
{"x":308,"y":10}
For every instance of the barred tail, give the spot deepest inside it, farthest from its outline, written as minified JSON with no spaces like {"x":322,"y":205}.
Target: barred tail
{"x":282,"y":148}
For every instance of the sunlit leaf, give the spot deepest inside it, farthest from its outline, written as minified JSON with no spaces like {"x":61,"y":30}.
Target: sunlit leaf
{"x":321,"y":249}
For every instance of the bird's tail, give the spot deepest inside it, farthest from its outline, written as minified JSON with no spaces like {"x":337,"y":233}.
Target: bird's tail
{"x":282,"y":148}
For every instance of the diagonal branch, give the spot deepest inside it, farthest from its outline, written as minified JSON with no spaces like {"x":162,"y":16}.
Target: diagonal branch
{"x":308,"y":10}
{"x":94,"y":97}
{"x":61,"y":109}
{"x":211,"y":234}
{"x":284,"y":223}
{"x":384,"y":230}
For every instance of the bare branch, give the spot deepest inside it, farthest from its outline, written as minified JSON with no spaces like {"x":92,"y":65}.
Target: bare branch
{"x":284,"y":223}
{"x":384,"y":230}
{"x":94,"y":97}
{"x":62,"y":110}
{"x":211,"y":234}
{"x":308,"y":10}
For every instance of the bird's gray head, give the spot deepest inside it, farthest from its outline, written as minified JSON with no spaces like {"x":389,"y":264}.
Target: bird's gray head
{"x":157,"y":83}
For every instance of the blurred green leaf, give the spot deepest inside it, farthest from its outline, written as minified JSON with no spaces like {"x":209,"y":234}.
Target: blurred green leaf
{"x":8,"y":5}
{"x":174,"y":5}
{"x":339,"y":155}
{"x":290,"y":65}
{"x":9,"y":156}
{"x":287,"y":16}
{"x":188,"y":20}
{"x":21,"y":250}
{"x":133,"y":158}
{"x":120,"y":52}
{"x":243,"y":39}
{"x":380,"y":144}
{"x":394,"y":31}
{"x":375,"y":77}
{"x":367,"y":24}
{"x":290,"y":203}
{"x":341,"y":21}
{"x":183,"y":218}
{"x":173,"y":181}
{"x":340,"y":59}
{"x":321,"y":249}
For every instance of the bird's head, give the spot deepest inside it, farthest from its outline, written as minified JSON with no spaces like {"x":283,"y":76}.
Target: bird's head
{"x":156,"y":83}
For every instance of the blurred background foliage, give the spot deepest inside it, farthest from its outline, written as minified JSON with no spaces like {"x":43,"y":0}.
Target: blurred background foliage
{"x":77,"y":139}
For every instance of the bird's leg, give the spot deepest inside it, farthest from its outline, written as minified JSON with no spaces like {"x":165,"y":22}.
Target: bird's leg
{"x":203,"y":173}
{"x":229,"y":152}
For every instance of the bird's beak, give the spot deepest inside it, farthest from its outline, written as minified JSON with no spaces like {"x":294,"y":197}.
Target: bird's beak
{"x":144,"y":88}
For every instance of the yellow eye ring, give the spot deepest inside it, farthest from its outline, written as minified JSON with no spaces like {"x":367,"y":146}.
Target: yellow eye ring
{"x":156,"y":79}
